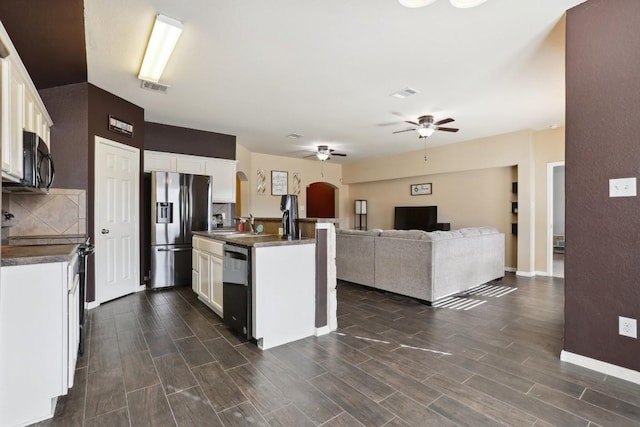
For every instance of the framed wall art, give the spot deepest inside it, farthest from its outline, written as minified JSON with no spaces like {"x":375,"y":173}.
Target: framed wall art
{"x":420,"y":189}
{"x":279,"y":183}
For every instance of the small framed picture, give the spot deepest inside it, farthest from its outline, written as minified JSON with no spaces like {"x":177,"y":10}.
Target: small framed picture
{"x":279,"y":183}
{"x":420,"y":189}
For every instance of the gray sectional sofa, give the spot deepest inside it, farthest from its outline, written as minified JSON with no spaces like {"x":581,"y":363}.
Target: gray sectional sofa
{"x":423,"y":265}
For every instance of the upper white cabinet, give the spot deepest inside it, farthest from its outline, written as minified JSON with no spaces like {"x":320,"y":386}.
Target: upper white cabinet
{"x":224,"y":180}
{"x":223,"y":171}
{"x":12,"y":122}
{"x":161,"y":162}
{"x":21,"y":108}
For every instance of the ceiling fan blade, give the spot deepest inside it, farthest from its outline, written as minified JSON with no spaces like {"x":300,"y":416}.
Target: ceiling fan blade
{"x":406,"y":130}
{"x":448,"y":129}
{"x":309,"y":156}
{"x":444,"y":121}
{"x":412,"y":123}
{"x":339,"y":154}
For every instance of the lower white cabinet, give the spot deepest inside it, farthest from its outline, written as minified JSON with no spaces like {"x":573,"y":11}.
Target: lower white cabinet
{"x":38,"y":339}
{"x":207,"y":272}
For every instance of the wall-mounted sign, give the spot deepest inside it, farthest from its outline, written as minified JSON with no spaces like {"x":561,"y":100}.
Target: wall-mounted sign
{"x":420,"y":189}
{"x":120,"y":126}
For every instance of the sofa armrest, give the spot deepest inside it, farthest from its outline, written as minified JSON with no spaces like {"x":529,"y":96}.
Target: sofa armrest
{"x":354,"y":258}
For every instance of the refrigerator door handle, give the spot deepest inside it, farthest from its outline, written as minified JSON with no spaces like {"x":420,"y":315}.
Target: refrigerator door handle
{"x":174,"y":249}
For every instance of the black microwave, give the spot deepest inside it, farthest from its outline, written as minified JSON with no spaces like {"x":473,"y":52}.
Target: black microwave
{"x":38,"y":169}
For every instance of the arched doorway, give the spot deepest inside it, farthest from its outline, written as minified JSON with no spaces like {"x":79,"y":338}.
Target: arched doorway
{"x":242,"y":194}
{"x":321,"y":200}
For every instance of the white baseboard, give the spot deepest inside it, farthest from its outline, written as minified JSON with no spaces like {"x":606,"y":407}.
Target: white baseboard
{"x":93,"y":304}
{"x":599,"y":366}
{"x":141,"y":288}
{"x":510,"y":269}
{"x":525,"y":273}
{"x":542,"y":273}
{"x":322,"y":331}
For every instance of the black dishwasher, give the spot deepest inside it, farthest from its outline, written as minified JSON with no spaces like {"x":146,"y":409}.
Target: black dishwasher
{"x":236,"y":289}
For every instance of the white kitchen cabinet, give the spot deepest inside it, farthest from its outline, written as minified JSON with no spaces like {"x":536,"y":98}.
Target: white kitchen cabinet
{"x":162,"y":162}
{"x":207,"y":271}
{"x":171,"y":162}
{"x":223,"y":171}
{"x":36,"y":321}
{"x":13,"y":107}
{"x":20,"y":108}
{"x":190,"y":164}
{"x":224,"y":180}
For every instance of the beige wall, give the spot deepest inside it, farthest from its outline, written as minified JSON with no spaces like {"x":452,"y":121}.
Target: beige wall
{"x":471,"y":186}
{"x":549,"y":148}
{"x":465,"y":199}
{"x":524,"y":151}
{"x":311,"y":171}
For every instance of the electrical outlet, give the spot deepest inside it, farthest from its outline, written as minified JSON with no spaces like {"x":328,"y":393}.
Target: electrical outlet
{"x":628,"y":327}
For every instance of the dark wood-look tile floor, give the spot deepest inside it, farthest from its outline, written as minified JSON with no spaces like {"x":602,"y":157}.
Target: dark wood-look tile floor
{"x":163,"y":358}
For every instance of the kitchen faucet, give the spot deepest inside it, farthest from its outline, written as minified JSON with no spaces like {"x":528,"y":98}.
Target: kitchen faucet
{"x":250,"y":219}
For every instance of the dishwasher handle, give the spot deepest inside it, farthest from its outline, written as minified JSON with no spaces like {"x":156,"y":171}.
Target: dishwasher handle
{"x":236,"y":255}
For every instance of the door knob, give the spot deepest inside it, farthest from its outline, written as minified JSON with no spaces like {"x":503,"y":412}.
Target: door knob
{"x":105,"y":231}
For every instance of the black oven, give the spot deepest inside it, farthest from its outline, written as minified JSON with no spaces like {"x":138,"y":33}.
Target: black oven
{"x":39,"y":170}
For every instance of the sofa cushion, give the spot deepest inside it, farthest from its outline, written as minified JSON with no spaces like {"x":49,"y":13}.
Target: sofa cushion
{"x":374,"y":232}
{"x":441,"y":235}
{"x":403,"y":234}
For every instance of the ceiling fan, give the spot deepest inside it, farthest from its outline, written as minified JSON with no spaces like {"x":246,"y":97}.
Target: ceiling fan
{"x":426,"y":126}
{"x":324,"y":153}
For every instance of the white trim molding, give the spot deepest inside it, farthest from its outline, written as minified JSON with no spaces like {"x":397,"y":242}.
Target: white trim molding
{"x":602,"y":367}
{"x":525,"y":273}
{"x":93,"y":304}
{"x":510,"y":269}
{"x":324,"y":330}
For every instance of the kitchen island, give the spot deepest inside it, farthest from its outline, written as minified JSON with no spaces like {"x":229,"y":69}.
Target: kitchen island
{"x":282,"y":288}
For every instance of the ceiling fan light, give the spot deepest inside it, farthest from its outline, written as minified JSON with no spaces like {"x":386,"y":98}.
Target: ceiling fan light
{"x":426,"y":132}
{"x":416,"y":3}
{"x":465,"y":4}
{"x":322,"y":156}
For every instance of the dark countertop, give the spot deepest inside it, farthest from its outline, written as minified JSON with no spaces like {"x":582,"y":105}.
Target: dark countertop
{"x":256,"y":240}
{"x":36,"y":254}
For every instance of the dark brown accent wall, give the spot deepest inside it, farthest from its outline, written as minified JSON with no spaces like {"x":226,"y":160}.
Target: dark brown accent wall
{"x":101,"y":105}
{"x":49,"y":35}
{"x":602,"y":266}
{"x":175,"y":139}
{"x":68,"y":107}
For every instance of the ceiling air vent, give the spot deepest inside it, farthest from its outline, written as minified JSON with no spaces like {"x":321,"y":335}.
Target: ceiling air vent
{"x":404,"y":93}
{"x":158,"y":87}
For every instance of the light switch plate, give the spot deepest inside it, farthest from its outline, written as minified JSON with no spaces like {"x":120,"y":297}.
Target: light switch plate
{"x":622,"y":187}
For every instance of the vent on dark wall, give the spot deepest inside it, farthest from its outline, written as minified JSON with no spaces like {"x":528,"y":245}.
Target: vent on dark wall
{"x":145,"y":84}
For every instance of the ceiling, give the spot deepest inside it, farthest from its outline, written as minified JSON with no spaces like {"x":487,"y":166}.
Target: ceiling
{"x":261,"y":70}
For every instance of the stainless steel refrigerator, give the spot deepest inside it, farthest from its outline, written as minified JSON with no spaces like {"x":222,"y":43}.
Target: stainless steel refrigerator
{"x":180,"y":204}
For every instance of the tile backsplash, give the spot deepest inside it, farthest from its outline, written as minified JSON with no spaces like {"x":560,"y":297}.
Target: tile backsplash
{"x":62,"y":211}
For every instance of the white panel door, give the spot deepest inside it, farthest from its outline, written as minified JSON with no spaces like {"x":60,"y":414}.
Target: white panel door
{"x":117,"y":231}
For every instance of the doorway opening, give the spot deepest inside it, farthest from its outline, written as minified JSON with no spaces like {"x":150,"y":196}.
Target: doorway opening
{"x":242,"y":194}
{"x":321,"y":200}
{"x":555,"y":218}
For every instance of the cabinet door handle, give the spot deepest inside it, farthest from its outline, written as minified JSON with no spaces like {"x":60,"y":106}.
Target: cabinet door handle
{"x":105,"y":231}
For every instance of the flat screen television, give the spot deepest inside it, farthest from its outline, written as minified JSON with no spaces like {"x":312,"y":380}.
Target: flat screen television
{"x":416,"y":218}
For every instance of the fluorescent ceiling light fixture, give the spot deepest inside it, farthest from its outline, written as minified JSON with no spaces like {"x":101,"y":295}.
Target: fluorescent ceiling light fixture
{"x":416,"y":3}
{"x":464,"y":4}
{"x":164,"y":37}
{"x":426,"y":132}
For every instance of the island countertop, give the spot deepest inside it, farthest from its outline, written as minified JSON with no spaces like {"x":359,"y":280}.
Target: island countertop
{"x":36,"y":254}
{"x":254,"y":240}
